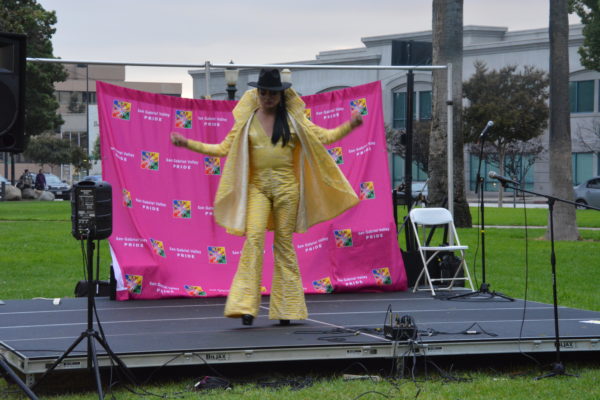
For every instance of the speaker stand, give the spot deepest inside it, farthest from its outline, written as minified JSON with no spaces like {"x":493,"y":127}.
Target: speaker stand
{"x":91,"y":336}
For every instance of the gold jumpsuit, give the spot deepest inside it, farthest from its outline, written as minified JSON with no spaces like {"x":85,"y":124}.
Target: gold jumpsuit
{"x":273,"y":189}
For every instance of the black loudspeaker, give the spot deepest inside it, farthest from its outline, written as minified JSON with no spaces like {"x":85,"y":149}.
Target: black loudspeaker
{"x":91,"y":210}
{"x":409,"y":52}
{"x":12,"y":92}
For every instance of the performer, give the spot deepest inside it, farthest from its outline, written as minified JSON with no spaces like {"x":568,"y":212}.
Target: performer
{"x":278,"y":176}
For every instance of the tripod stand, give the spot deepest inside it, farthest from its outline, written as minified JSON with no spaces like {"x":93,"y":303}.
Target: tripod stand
{"x":14,"y":377}
{"x":91,"y":335}
{"x":484,"y":289}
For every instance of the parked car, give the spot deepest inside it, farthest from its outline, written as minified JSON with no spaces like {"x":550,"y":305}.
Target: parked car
{"x":6,"y":183}
{"x":419,"y":193}
{"x":61,"y":189}
{"x":588,"y":192}
{"x":93,"y":178}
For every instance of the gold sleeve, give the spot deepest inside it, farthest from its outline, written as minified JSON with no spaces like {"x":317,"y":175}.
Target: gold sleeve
{"x":214,"y":150}
{"x":328,"y":136}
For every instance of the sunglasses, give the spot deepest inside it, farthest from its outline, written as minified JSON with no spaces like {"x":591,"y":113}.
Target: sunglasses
{"x":265,"y":92}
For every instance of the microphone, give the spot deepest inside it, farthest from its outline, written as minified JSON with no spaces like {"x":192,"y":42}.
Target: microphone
{"x":484,"y":131}
{"x":504,"y":180}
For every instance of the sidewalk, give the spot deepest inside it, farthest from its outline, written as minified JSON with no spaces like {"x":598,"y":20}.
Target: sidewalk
{"x":508,"y":201}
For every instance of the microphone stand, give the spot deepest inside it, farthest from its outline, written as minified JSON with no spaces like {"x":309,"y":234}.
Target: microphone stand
{"x":484,"y":289}
{"x":557,"y":367}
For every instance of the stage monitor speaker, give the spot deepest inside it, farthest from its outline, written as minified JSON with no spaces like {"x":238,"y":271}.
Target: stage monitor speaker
{"x":409,"y":52}
{"x":91,"y":210}
{"x":13,"y":51}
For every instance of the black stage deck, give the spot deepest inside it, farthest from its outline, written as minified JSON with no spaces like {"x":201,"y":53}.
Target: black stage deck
{"x":33,"y":333}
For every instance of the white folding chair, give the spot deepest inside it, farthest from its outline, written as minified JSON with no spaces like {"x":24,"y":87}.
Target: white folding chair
{"x":423,"y":220}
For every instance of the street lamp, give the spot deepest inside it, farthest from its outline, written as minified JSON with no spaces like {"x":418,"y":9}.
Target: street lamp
{"x":286,"y":75}
{"x":231,"y":77}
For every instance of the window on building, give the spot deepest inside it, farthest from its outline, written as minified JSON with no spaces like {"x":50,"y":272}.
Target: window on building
{"x":91,"y":95}
{"x":581,"y":96}
{"x":583,"y":167}
{"x":399,"y":121}
{"x":422,"y":98}
{"x":425,"y":105}
{"x":523,"y":170}
{"x":398,"y":171}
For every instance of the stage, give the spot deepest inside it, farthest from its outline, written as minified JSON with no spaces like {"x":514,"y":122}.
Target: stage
{"x":176,"y":332}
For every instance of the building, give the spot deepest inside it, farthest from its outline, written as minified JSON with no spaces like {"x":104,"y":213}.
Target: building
{"x":74,"y":95}
{"x":496,"y":46}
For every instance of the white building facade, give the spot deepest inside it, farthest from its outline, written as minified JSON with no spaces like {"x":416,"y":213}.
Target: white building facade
{"x":495,"y":46}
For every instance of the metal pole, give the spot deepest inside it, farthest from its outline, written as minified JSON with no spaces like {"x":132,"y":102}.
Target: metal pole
{"x":256,"y":66}
{"x":408,"y":159}
{"x":207,"y":79}
{"x":450,"y":137}
{"x":87,"y":117}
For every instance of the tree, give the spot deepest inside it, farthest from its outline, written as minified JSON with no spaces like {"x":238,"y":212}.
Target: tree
{"x":80,"y":159}
{"x":561,"y":175}
{"x":28,"y":17}
{"x":49,"y":149}
{"x":515,"y":101}
{"x":589,"y":12}
{"x":97,"y":155}
{"x":447,"y":48}
{"x":589,"y":135}
{"x":420,"y":144}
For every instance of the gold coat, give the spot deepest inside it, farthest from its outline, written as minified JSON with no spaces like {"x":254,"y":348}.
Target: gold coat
{"x":324,"y":190}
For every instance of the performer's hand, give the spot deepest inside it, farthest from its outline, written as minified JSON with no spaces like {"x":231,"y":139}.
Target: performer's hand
{"x":178,"y":139}
{"x":356,"y":120}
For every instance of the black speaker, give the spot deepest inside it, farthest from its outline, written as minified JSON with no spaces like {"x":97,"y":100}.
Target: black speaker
{"x":409,"y":52}
{"x":91,"y":210}
{"x":12,"y":92}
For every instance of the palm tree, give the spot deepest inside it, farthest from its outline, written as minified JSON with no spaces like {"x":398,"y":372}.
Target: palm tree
{"x":561,"y":178}
{"x":447,"y":48}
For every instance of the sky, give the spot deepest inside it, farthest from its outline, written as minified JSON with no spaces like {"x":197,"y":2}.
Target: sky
{"x":250,"y":32}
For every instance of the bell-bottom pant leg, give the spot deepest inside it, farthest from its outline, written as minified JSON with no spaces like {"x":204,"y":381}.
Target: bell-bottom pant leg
{"x":287,"y":294}
{"x":244,"y":294}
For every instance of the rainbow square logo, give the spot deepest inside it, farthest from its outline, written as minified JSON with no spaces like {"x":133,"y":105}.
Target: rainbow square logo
{"x":337,"y":154}
{"x":216,"y":255}
{"x":182,"y":209}
{"x":212,"y":166}
{"x":367,"y":191}
{"x":382,"y":276}
{"x":323,"y":285}
{"x":133,"y":283}
{"x":183,"y":119}
{"x":121,"y":110}
{"x":343,"y":238}
{"x":308,"y":114}
{"x":158,"y":247}
{"x":150,"y":160}
{"x":127,"y":199}
{"x":195,"y":291}
{"x":359,"y":106}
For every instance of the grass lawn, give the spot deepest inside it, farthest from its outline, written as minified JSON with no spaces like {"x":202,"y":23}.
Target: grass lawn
{"x":40,"y":258}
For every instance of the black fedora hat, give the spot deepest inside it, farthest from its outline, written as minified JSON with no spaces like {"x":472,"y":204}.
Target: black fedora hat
{"x":270,"y":79}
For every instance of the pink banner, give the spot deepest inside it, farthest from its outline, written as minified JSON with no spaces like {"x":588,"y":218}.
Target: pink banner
{"x":165,"y":242}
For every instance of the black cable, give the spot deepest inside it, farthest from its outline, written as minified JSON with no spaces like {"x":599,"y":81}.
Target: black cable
{"x":84,"y":260}
{"x":477,"y":245}
{"x":341,"y":334}
{"x":526,"y":284}
{"x":447,"y":376}
{"x":294,"y":384}
{"x":467,"y":331}
{"x":372,"y":391}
